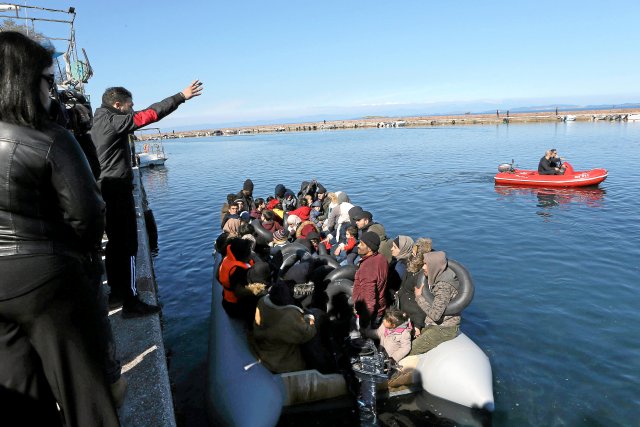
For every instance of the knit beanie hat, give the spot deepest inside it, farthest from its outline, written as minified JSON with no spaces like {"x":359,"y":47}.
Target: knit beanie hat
{"x":248,"y":185}
{"x":280,"y":235}
{"x":371,"y":239}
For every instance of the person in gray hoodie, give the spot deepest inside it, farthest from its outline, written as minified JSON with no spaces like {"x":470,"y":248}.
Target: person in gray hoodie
{"x":443,"y":284}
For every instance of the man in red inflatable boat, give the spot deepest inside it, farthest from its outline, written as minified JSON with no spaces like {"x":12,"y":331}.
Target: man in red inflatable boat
{"x":551,"y":164}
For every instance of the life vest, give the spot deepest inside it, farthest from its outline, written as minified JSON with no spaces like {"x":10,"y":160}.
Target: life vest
{"x":227,"y":267}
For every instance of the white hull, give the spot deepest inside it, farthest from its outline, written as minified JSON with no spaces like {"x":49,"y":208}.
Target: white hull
{"x":149,"y":160}
{"x":457,"y":371}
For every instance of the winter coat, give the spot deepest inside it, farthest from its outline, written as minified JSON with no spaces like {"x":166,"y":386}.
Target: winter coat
{"x":407,"y":299}
{"x":396,"y":341}
{"x":277,"y":334}
{"x":370,"y":287}
{"x":111,"y":129}
{"x":443,"y":284}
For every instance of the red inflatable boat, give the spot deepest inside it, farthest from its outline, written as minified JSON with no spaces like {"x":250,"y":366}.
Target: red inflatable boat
{"x":570,"y":178}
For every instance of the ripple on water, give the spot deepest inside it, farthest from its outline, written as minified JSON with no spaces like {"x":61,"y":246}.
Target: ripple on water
{"x":556,"y":272}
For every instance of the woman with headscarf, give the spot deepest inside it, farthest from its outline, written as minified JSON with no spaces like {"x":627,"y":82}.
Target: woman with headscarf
{"x":406,"y":295}
{"x":401,"y":248}
{"x":51,"y":217}
{"x":232,"y":227}
{"x":443,"y":284}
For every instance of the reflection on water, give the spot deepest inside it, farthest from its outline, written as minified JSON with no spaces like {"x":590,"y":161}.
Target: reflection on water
{"x":549,"y":198}
{"x":156,"y":179}
{"x":552,"y":341}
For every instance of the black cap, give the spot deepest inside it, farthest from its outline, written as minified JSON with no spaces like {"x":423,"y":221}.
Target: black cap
{"x":371,"y":239}
{"x":361,"y":215}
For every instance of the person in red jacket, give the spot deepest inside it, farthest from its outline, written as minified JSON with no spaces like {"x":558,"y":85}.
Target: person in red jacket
{"x":370,"y":284}
{"x":344,"y":249}
{"x":303,"y":211}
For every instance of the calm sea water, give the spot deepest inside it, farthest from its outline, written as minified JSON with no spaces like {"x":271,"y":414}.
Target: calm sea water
{"x":557,"y":303}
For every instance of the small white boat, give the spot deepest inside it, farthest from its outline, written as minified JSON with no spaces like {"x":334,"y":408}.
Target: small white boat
{"x":150,"y":152}
{"x":152,"y":155}
{"x":569,"y":118}
{"x":633,"y":117}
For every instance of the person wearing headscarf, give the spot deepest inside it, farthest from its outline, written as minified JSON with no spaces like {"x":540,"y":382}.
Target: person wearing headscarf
{"x":406,"y":296}
{"x":443,"y":284}
{"x":293,"y":221}
{"x":401,"y":248}
{"x":232,"y":227}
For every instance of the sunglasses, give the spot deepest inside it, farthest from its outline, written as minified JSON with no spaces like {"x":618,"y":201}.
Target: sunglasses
{"x":50,"y":80}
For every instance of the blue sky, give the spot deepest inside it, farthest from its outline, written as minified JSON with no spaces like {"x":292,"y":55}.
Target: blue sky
{"x":267,"y":61}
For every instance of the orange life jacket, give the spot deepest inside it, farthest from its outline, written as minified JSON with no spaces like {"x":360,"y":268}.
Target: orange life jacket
{"x":227,"y":267}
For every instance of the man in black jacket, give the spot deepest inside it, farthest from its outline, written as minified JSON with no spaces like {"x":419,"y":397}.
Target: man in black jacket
{"x":113,"y":124}
{"x":550,"y":164}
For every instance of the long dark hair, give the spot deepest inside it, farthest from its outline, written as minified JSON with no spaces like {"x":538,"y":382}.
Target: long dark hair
{"x":22,"y":61}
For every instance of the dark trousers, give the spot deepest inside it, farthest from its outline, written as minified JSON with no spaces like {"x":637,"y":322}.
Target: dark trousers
{"x":122,"y":231}
{"x":54,"y":330}
{"x":112,"y":364}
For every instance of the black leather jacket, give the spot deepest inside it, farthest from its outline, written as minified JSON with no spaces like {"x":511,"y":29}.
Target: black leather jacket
{"x":49,"y":200}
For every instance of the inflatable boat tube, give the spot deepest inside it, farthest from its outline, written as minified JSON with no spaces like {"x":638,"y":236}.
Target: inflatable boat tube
{"x":234,"y":378}
{"x":465,"y":293}
{"x":329,"y":260}
{"x":344,"y":272}
{"x":322,"y":249}
{"x":457,"y":370}
{"x":291,"y":253}
{"x":339,"y":286}
{"x":261,"y":231}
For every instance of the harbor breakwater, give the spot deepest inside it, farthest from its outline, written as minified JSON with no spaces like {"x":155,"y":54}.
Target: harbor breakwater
{"x":502,"y":117}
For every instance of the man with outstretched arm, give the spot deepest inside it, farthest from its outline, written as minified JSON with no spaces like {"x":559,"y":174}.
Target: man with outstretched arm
{"x":113,"y":124}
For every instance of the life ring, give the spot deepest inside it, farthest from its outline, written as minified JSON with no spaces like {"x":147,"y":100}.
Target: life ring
{"x":261,"y":232}
{"x":343,"y":272}
{"x":336,"y":287}
{"x":465,"y":293}
{"x":145,"y":148}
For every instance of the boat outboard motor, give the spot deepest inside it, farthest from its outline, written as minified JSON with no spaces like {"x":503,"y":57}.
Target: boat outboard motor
{"x":370,"y":367}
{"x":506,"y":167}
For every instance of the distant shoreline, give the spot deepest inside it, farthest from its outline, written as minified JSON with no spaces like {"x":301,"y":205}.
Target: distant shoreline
{"x":407,"y":121}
